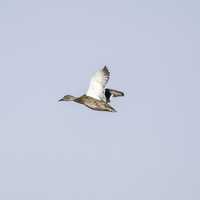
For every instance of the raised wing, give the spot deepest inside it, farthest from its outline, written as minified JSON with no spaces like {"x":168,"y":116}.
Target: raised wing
{"x":98,"y":83}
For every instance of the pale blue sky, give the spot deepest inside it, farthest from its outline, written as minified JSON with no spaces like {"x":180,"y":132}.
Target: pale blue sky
{"x":149,"y":149}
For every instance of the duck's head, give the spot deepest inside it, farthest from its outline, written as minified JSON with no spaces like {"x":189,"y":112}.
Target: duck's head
{"x":68,"y":98}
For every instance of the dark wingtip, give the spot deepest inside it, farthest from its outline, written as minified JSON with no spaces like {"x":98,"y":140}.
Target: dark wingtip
{"x":113,"y":110}
{"x":105,"y":68}
{"x":106,"y":71}
{"x":60,"y":100}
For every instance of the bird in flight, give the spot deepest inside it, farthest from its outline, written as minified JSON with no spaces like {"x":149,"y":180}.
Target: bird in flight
{"x":97,"y":97}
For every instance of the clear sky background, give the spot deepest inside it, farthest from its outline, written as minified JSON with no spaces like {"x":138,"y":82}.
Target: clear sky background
{"x":149,"y":149}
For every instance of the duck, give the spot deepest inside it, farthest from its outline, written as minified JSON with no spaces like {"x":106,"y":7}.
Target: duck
{"x":97,"y":96}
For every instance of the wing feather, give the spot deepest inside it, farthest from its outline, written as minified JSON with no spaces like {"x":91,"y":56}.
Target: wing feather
{"x":98,"y":83}
{"x":112,"y":93}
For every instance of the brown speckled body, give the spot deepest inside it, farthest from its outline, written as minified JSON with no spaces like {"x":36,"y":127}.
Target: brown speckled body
{"x":94,"y":104}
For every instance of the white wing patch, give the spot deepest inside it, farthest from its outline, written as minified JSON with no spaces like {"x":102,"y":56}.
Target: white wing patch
{"x":98,"y":83}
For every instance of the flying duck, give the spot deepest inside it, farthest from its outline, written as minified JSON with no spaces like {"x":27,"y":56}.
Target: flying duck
{"x":97,"y":97}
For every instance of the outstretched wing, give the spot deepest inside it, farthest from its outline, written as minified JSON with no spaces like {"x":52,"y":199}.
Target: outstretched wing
{"x":98,"y":83}
{"x":112,"y":93}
